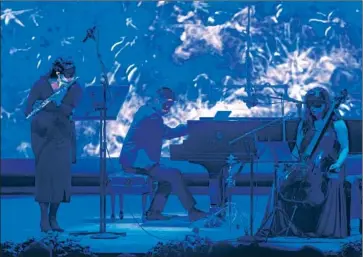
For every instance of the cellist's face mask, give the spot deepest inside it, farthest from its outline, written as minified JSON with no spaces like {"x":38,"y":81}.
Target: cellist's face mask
{"x":317,"y":108}
{"x":315,"y":102}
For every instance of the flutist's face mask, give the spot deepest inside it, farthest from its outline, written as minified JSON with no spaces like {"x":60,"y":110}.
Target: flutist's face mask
{"x":65,"y":69}
{"x":68,"y":74}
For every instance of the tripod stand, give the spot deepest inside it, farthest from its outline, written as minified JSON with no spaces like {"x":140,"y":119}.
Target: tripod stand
{"x":279,"y":152}
{"x":277,"y":210}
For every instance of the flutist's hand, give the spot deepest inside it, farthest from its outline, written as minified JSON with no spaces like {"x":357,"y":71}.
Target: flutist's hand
{"x":27,"y":112}
{"x":57,"y":101}
{"x":62,"y":90}
{"x":59,"y":97}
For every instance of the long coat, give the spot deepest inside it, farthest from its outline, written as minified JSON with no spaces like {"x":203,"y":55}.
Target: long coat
{"x":53,"y":142}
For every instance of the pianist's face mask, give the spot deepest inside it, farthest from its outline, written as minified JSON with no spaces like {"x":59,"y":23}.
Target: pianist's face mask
{"x":166,"y":105}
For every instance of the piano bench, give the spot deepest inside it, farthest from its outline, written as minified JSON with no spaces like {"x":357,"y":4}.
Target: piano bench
{"x":129,"y":184}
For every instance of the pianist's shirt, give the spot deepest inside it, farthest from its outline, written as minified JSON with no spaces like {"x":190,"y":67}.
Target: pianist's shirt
{"x":147,"y":133}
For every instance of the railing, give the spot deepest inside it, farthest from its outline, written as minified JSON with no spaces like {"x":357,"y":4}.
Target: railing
{"x":17,"y":178}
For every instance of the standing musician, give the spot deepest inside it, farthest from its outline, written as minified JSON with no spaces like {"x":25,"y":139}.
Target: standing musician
{"x":141,"y":152}
{"x":53,"y":140}
{"x":327,"y":219}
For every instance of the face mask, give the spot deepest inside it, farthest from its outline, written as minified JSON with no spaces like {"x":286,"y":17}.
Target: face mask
{"x":68,"y":73}
{"x":316,"y":106}
{"x":168,"y":104}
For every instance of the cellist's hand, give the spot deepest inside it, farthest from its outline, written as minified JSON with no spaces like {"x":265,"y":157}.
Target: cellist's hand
{"x":335,"y":167}
{"x":334,"y":171}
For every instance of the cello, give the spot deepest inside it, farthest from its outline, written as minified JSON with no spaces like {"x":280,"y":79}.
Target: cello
{"x":309,"y":172}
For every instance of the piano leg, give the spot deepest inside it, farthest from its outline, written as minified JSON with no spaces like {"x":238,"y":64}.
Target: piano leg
{"x":217,"y":188}
{"x":217,"y":185}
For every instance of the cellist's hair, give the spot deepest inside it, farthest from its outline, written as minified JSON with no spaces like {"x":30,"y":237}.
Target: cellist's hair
{"x":316,"y":95}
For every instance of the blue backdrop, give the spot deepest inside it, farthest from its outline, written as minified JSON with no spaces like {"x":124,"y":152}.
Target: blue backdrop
{"x":198,"y":49}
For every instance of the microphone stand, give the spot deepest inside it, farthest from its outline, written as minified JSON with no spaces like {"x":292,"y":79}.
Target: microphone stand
{"x":248,"y":59}
{"x":250,"y":94}
{"x":291,"y":100}
{"x":103,"y":148}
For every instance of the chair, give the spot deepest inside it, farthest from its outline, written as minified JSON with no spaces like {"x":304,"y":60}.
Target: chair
{"x":353,"y":191}
{"x":129,"y":184}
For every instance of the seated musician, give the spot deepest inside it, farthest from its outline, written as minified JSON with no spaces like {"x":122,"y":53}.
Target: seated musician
{"x":141,"y":153}
{"x":328,"y":219}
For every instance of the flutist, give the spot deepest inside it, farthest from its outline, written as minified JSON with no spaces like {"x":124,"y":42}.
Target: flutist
{"x":53,"y":138}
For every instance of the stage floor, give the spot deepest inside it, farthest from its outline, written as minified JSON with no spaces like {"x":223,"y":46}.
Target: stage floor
{"x":20,"y":221}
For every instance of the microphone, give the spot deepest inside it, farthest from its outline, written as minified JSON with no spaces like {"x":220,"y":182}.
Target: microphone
{"x":252,"y":96}
{"x":252,"y":100}
{"x":90,"y":34}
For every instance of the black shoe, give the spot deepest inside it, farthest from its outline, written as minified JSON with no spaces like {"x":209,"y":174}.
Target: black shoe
{"x":195,"y":214}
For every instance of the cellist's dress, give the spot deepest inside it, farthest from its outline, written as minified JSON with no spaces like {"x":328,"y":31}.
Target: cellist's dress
{"x":327,"y":220}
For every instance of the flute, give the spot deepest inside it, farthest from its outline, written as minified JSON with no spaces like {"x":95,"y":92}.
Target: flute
{"x":63,"y":87}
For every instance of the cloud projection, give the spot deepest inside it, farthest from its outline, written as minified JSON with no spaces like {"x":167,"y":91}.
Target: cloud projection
{"x":196,"y":48}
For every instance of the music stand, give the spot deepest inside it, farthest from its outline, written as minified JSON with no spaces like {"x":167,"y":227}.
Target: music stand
{"x":92,"y":101}
{"x":93,"y":106}
{"x":249,"y":147}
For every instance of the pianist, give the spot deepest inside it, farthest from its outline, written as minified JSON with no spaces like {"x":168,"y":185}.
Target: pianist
{"x":141,"y":153}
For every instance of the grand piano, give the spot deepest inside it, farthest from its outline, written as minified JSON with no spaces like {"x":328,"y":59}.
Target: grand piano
{"x":208,"y":144}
